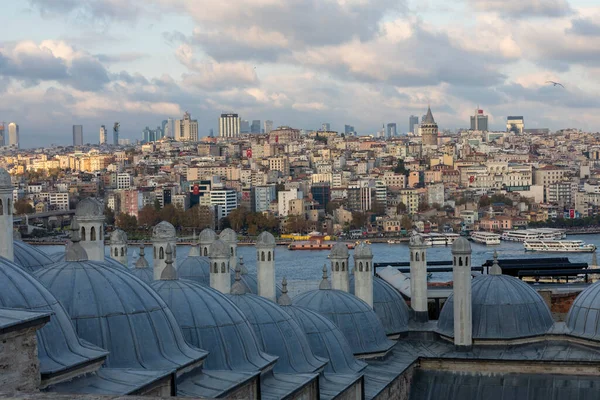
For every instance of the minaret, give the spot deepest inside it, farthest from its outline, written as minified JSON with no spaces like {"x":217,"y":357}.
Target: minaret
{"x":461,"y":275}
{"x":118,"y":246}
{"x":230,"y":238}
{"x":363,"y":273}
{"x":90,"y":216}
{"x":340,"y":275}
{"x":265,"y":265}
{"x":163,"y":234}
{"x":220,"y":275}
{"x":207,"y":237}
{"x":418,"y":278}
{"x":7,"y":247}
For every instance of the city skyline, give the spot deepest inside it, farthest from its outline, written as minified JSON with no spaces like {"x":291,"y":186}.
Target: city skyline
{"x":87,"y":73}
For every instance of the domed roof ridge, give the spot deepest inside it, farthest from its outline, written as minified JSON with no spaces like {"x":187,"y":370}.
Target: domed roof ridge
{"x":89,"y":209}
{"x":504,"y":307}
{"x":228,"y":235}
{"x":583,"y":315}
{"x":29,"y":257}
{"x":164,"y":231}
{"x":207,"y":236}
{"x":461,"y":245}
{"x":5,"y":179}
{"x":363,"y":250}
{"x":265,"y":239}
{"x":118,"y":236}
{"x":339,"y":250}
{"x":218,"y":249}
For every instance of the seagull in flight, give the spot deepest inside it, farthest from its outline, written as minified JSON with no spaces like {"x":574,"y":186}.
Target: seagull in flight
{"x":555,"y":83}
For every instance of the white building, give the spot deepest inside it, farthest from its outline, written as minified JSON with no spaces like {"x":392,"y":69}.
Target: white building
{"x":224,"y":201}
{"x":124,"y":180}
{"x":435,"y":194}
{"x":186,"y":129}
{"x":102,"y":134}
{"x":229,"y":126}
{"x":283,"y":200}
{"x":13,"y":135}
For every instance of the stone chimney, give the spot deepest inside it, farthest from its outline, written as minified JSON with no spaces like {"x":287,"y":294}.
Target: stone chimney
{"x":7,"y":247}
{"x":265,"y":265}
{"x":340,"y":275}
{"x":363,"y":273}
{"x":163,"y":234}
{"x":418,"y":278}
{"x":220,"y":275}
{"x":118,"y":246}
{"x":461,"y":275}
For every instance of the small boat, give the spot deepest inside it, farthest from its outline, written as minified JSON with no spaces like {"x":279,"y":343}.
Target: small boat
{"x":487,"y":238}
{"x":394,"y":241}
{"x":559,"y":246}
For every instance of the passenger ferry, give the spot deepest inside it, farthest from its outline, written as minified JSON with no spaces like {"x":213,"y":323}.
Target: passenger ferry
{"x":316,"y":243}
{"x":439,"y":239}
{"x":559,"y":246}
{"x":534,"y":234}
{"x":487,"y":238}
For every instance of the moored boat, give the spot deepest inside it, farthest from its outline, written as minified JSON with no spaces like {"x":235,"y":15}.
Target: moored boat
{"x":316,"y":244}
{"x":487,"y":238}
{"x":559,"y":246}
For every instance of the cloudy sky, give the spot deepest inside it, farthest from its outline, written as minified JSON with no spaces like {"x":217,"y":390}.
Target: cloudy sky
{"x":296,"y":62}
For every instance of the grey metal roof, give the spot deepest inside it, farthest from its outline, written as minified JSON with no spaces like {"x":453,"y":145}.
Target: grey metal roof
{"x":12,"y":319}
{"x":228,"y":235}
{"x":363,"y":250}
{"x":251,"y":284}
{"x":389,"y":306}
{"x":207,"y":236}
{"x":214,"y":384}
{"x":163,"y":230}
{"x":145,"y":274}
{"x":108,"y":261}
{"x":209,"y":320}
{"x":277,"y":386}
{"x":339,"y":250}
{"x":461,"y":245}
{"x":278,"y":334}
{"x":583,"y":319}
{"x":113,"y":309}
{"x":141,"y":262}
{"x":29,"y":257}
{"x":59,"y":348}
{"x":354,"y":317}
{"x":326,"y":340}
{"x":89,"y":208}
{"x":265,"y":239}
{"x":195,"y":268}
{"x":429,"y":117}
{"x":503,"y":307}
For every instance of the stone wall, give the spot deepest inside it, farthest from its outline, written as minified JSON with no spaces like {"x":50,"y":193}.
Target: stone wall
{"x":308,"y":392}
{"x":19,"y":364}
{"x":399,"y":389}
{"x":248,"y":391}
{"x":354,"y":392}
{"x":559,"y":303}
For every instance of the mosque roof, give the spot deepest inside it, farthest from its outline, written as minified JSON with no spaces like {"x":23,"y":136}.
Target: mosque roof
{"x":228,"y":235}
{"x":265,"y":239}
{"x":29,"y":257}
{"x":89,"y":208}
{"x":583,"y":319}
{"x":339,"y":250}
{"x":118,"y":237}
{"x":195,"y":268}
{"x":218,"y":249}
{"x":5,"y":180}
{"x":207,"y":236}
{"x":461,"y":245}
{"x":111,"y":262}
{"x":164,"y":230}
{"x":363,"y":250}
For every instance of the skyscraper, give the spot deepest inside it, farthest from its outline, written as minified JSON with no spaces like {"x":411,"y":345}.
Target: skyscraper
{"x":77,"y":135}
{"x":13,"y":135}
{"x":229,"y":125}
{"x":479,"y":121}
{"x":2,"y":134}
{"x":102,"y":134}
{"x":325,"y":126}
{"x":244,"y":126}
{"x":116,"y":127}
{"x":186,"y":129}
{"x":268,"y":126}
{"x":255,"y":127}
{"x":391,"y":130}
{"x":164,"y":126}
{"x":413,"y":121}
{"x":348,"y":130}
{"x":169,"y":128}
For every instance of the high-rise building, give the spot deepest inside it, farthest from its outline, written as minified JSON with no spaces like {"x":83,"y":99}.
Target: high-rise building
{"x":13,"y":135}
{"x":102,"y":134}
{"x":164,"y":126}
{"x":515,"y":124}
{"x":186,"y":129}
{"x":326,"y":127}
{"x":392,"y":131}
{"x":413,"y":121}
{"x":479,"y":121}
{"x":2,"y":134}
{"x":116,"y":127}
{"x":229,"y":125}
{"x":244,"y":126}
{"x":268,"y":126}
{"x":348,"y":130}
{"x":255,"y":127}
{"x":429,"y":129}
{"x":169,"y":129}
{"x":77,"y":135}
{"x":321,"y":193}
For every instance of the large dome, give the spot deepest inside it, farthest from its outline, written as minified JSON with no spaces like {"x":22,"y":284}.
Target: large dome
{"x":278,"y":334}
{"x":583,"y":319}
{"x":59,"y":348}
{"x":209,"y":320}
{"x":164,"y":230}
{"x":29,"y":257}
{"x":389,"y":306}
{"x":354,"y":317}
{"x":503,"y":307}
{"x":195,"y":268}
{"x":111,"y":262}
{"x":114,"y":310}
{"x":89,"y":208}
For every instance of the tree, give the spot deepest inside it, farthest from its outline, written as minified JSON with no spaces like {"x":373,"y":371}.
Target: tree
{"x":332,"y":206}
{"x":127,"y":222}
{"x":406,"y":223}
{"x":237,"y":218}
{"x":109,"y":215}
{"x":23,"y":206}
{"x":359,"y":220}
{"x":401,"y":208}
{"x":295,"y":224}
{"x":148,"y":216}
{"x":400,"y":168}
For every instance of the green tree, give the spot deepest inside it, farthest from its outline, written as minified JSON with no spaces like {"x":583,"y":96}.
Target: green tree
{"x":127,"y":222}
{"x":109,"y":215}
{"x":406,"y":223}
{"x":237,"y":218}
{"x":400,"y":168}
{"x":296,"y":224}
{"x":22,"y":206}
{"x":148,"y":216}
{"x":359,"y":220}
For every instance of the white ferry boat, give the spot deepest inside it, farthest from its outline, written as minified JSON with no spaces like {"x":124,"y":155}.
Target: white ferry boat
{"x":533,"y":234}
{"x":559,"y":246}
{"x":487,"y":238}
{"x":439,"y":239}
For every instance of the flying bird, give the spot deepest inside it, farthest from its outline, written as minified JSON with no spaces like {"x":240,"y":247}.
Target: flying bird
{"x":555,"y":83}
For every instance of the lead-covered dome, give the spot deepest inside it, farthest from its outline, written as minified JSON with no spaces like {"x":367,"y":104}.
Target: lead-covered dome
{"x":265,"y":239}
{"x":207,"y":236}
{"x":503,"y":307}
{"x":195,"y":268}
{"x":228,"y":235}
{"x":164,"y":230}
{"x":339,"y":250}
{"x":59,"y":348}
{"x":461,"y":245}
{"x":89,"y":208}
{"x":389,"y":306}
{"x":108,"y":261}
{"x":209,"y":320}
{"x":363,"y":250}
{"x":218,"y":249}
{"x":357,"y":321}
{"x":583,"y":319}
{"x":115,"y":310}
{"x":5,"y":180}
{"x":30,"y":258}
{"x":118,"y":237}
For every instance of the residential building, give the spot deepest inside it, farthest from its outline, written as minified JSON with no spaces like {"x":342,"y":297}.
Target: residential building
{"x":283,"y":200}
{"x":321,"y":193}
{"x":268,"y":126}
{"x":124,"y":181}
{"x":229,"y":126}
{"x":224,"y":201}
{"x":262,"y":196}
{"x":515,"y":124}
{"x":13,"y":135}
{"x":479,"y":121}
{"x":186,"y":129}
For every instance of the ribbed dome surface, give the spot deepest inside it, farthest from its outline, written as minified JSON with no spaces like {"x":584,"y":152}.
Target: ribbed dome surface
{"x":146,"y":274}
{"x":583,"y":319}
{"x":163,"y":230}
{"x":59,"y":348}
{"x":114,"y":310}
{"x":503,"y":307}
{"x":110,"y":262}
{"x":326,"y":340}
{"x":30,"y":258}
{"x":228,"y":235}
{"x":209,"y":320}
{"x":195,"y":268}
{"x":354,"y":317}
{"x":389,"y":306}
{"x":278,"y":334}
{"x":89,"y":208}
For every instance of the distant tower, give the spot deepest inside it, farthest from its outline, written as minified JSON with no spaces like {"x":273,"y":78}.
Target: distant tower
{"x":340,"y":275}
{"x":230,"y":238}
{"x":163,"y":234}
{"x":265,"y":265}
{"x":90,"y":216}
{"x":207,"y":237}
{"x":13,"y":135}
{"x":118,"y":246}
{"x":6,"y":216}
{"x":461,"y":275}
{"x":103,"y":134}
{"x":418,"y":278}
{"x":116,"y":127}
{"x":429,"y":129}
{"x":220,"y":275}
{"x":363,"y":273}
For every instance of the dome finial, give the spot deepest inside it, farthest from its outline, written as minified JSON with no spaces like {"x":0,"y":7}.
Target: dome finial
{"x":325,"y":285}
{"x":243,"y":269}
{"x":74,"y":251}
{"x":238,"y":286}
{"x":284,"y":299}
{"x":141,"y":262}
{"x":169,"y":273}
{"x":495,"y":270}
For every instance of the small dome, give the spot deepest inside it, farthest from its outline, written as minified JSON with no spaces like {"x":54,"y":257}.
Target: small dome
{"x":207,"y":236}
{"x":108,"y":261}
{"x":195,"y":269}
{"x":503,"y":307}
{"x":118,"y":237}
{"x":339,"y":250}
{"x":389,"y":306}
{"x":5,"y":180}
{"x":29,"y":257}
{"x":416,"y":240}
{"x":145,"y":274}
{"x":363,"y":250}
{"x":59,"y":348}
{"x":461,"y":245}
{"x":209,"y":320}
{"x":164,"y":230}
{"x":279,"y":334}
{"x":265,"y":239}
{"x":89,"y":208}
{"x":114,"y":310}
{"x":354,"y":317}
{"x":582,"y":319}
{"x":218,"y":250}
{"x":228,"y":235}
